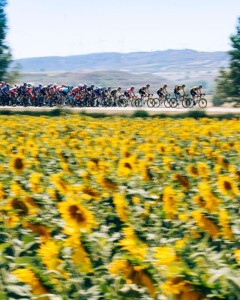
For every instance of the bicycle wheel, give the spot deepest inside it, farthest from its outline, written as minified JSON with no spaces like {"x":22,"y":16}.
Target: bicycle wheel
{"x":138,"y":102}
{"x":156,"y":102}
{"x":167,"y":103}
{"x":189,"y":103}
{"x":122,"y":102}
{"x":151,"y":102}
{"x":173,"y":102}
{"x":202,"y":103}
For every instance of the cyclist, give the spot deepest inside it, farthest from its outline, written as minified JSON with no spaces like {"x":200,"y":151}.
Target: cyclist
{"x":107,"y":93}
{"x":142,"y":92}
{"x":199,"y":90}
{"x":98,"y":91}
{"x":164,"y":90}
{"x":148,"y":90}
{"x":177,"y":92}
{"x":37,"y":89}
{"x":52,"y":89}
{"x":196,"y":91}
{"x":116,"y":93}
{"x":76,"y":90}
{"x":193,"y":91}
{"x":13,"y":91}
{"x":129,"y":93}
{"x":60,"y":87}
{"x":5,"y":89}
{"x":160,"y":92}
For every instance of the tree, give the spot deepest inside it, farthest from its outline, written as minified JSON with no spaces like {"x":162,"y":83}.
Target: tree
{"x":228,"y":82}
{"x":5,"y":54}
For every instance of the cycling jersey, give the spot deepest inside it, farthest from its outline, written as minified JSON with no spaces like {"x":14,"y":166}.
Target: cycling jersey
{"x":22,"y":90}
{"x":113,"y":92}
{"x":64,"y":90}
{"x":13,"y":90}
{"x":193,"y":92}
{"x":160,"y":93}
{"x":75,"y":90}
{"x":177,"y":90}
{"x":129,"y":93}
{"x":5,"y":90}
{"x":142,"y":90}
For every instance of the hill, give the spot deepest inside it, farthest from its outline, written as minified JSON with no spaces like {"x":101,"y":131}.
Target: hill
{"x":136,"y":62}
{"x":171,"y":66}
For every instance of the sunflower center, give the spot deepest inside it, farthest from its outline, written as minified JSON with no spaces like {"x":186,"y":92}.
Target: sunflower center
{"x":18,"y":163}
{"x":76,"y":213}
{"x":194,"y":171}
{"x":20,"y":206}
{"x":127,"y":165}
{"x":227,"y":185}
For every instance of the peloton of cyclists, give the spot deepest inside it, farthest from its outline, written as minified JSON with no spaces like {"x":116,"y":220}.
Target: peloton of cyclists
{"x":29,"y":92}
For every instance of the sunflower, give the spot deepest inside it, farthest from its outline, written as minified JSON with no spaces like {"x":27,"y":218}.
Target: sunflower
{"x":76,"y":215}
{"x":227,"y":186}
{"x":182,"y":180}
{"x":165,"y":255}
{"x":121,"y":207}
{"x":180,"y":290}
{"x":41,"y":230}
{"x":203,"y":169}
{"x":27,"y":276}
{"x":17,"y":164}
{"x":49,"y":252}
{"x":205,"y":223}
{"x":192,"y":170}
{"x":224,"y":222}
{"x":133,"y":274}
{"x":132,"y":244}
{"x":126,"y":166}
{"x":20,"y":207}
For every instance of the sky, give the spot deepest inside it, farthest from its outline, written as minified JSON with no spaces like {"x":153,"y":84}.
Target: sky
{"x":71,"y":27}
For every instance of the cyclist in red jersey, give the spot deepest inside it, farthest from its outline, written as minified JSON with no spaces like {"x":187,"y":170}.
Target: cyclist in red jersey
{"x":130,"y":92}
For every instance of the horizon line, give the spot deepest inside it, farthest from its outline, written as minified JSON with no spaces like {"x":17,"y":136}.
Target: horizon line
{"x":118,"y":52}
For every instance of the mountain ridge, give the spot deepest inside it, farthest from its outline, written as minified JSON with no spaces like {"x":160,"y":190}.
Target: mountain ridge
{"x":138,"y":62}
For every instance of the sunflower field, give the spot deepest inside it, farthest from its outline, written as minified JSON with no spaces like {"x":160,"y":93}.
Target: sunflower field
{"x":119,"y":208}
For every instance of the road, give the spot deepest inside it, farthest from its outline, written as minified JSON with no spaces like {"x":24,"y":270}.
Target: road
{"x":131,"y":110}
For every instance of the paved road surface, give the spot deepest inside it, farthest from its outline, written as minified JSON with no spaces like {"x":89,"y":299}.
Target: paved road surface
{"x":130,"y":110}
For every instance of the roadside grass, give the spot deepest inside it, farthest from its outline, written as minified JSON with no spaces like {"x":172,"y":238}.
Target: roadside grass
{"x":136,"y":114}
